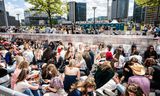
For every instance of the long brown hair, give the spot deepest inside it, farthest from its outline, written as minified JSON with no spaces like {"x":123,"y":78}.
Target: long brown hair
{"x":134,"y":88}
{"x":23,"y":65}
{"x":23,"y":74}
{"x":52,"y":68}
{"x":118,"y":53}
{"x":67,"y":53}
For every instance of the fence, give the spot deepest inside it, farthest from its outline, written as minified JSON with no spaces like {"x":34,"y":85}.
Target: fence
{"x":9,"y":92}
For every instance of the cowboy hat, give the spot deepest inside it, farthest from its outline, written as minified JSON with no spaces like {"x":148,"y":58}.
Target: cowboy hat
{"x":138,"y":69}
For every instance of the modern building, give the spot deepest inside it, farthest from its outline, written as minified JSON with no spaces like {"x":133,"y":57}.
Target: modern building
{"x":119,"y":9}
{"x":152,"y":16}
{"x":32,"y":18}
{"x":77,"y":11}
{"x":138,"y":13}
{"x":11,"y":19}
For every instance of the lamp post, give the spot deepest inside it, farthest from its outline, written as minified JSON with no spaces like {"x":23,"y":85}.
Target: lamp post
{"x":94,"y":9}
{"x":5,"y":14}
{"x":117,"y":10}
{"x":18,"y":19}
{"x":108,"y":9}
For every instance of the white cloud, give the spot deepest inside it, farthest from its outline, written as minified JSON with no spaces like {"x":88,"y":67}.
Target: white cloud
{"x":14,"y":9}
{"x":27,"y":5}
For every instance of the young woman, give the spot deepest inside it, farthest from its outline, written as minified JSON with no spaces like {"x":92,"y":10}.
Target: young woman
{"x":134,"y":90}
{"x":22,"y":85}
{"x":119,"y":61}
{"x":72,"y":74}
{"x":69,"y":55}
{"x":55,"y":87}
{"x":81,"y":63}
{"x":83,"y":88}
{"x":20,"y":66}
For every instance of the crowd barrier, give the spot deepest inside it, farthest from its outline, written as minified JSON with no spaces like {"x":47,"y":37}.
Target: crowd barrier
{"x":9,"y":92}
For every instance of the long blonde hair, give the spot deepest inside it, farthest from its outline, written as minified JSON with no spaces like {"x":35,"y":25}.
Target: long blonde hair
{"x":71,"y":63}
{"x":79,"y":56}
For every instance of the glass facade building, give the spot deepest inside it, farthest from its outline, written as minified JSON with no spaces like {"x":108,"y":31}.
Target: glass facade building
{"x":80,"y":12}
{"x":77,"y":11}
{"x":138,"y":14}
{"x":119,"y":9}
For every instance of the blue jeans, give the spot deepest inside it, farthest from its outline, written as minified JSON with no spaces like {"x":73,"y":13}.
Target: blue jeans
{"x":36,"y":92}
{"x":28,"y":92}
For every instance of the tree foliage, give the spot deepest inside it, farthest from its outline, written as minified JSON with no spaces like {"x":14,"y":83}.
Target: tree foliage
{"x":50,"y":7}
{"x":145,"y":3}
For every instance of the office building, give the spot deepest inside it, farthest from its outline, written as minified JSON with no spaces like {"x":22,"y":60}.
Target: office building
{"x":32,"y":18}
{"x":138,"y":13}
{"x":151,"y":15}
{"x":77,"y":11}
{"x":10,"y":19}
{"x":119,"y":9}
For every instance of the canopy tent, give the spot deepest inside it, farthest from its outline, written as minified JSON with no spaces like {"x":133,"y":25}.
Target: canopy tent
{"x":114,"y":21}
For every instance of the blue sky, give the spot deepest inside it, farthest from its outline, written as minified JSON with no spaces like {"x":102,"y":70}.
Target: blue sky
{"x":18,"y":6}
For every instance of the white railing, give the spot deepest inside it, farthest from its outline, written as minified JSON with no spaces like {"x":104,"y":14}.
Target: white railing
{"x":9,"y":92}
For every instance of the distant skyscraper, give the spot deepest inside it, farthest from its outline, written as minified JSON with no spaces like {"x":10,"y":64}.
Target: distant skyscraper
{"x":5,"y":19}
{"x":1,"y":6}
{"x":77,"y":11}
{"x":119,"y":9}
{"x":80,"y":11}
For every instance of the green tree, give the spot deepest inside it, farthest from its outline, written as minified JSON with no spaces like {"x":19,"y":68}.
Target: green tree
{"x":50,"y":7}
{"x":145,"y":3}
{"x":149,"y":3}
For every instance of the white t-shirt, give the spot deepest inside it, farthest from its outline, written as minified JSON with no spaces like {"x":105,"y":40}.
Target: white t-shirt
{"x":28,"y":55}
{"x":21,"y":86}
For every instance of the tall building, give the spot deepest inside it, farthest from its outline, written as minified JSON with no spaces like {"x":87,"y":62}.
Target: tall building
{"x":1,"y":6}
{"x":11,"y":21}
{"x":72,"y":12}
{"x":2,"y":19}
{"x":77,"y":11}
{"x":138,"y":13}
{"x":151,"y":15}
{"x":119,"y":9}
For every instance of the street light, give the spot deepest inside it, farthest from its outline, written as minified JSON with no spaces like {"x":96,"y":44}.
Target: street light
{"x":94,"y":9}
{"x":5,"y":14}
{"x":108,"y":9}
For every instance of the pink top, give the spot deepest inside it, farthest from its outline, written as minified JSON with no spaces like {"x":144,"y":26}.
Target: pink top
{"x":14,"y":77}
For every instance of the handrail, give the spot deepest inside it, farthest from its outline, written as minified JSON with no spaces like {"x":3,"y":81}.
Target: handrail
{"x":9,"y":92}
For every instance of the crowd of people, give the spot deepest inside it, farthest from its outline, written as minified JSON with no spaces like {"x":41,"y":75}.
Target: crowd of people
{"x":43,"y":68}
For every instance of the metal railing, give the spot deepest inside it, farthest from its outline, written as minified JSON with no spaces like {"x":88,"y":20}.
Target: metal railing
{"x":9,"y":92}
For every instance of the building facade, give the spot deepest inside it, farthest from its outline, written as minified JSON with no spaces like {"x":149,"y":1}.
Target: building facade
{"x":138,"y":13}
{"x":11,"y":19}
{"x":32,"y":18}
{"x":77,"y":11}
{"x":119,"y":9}
{"x":152,"y":15}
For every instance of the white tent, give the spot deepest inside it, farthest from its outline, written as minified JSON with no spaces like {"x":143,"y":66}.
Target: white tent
{"x":114,"y":21}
